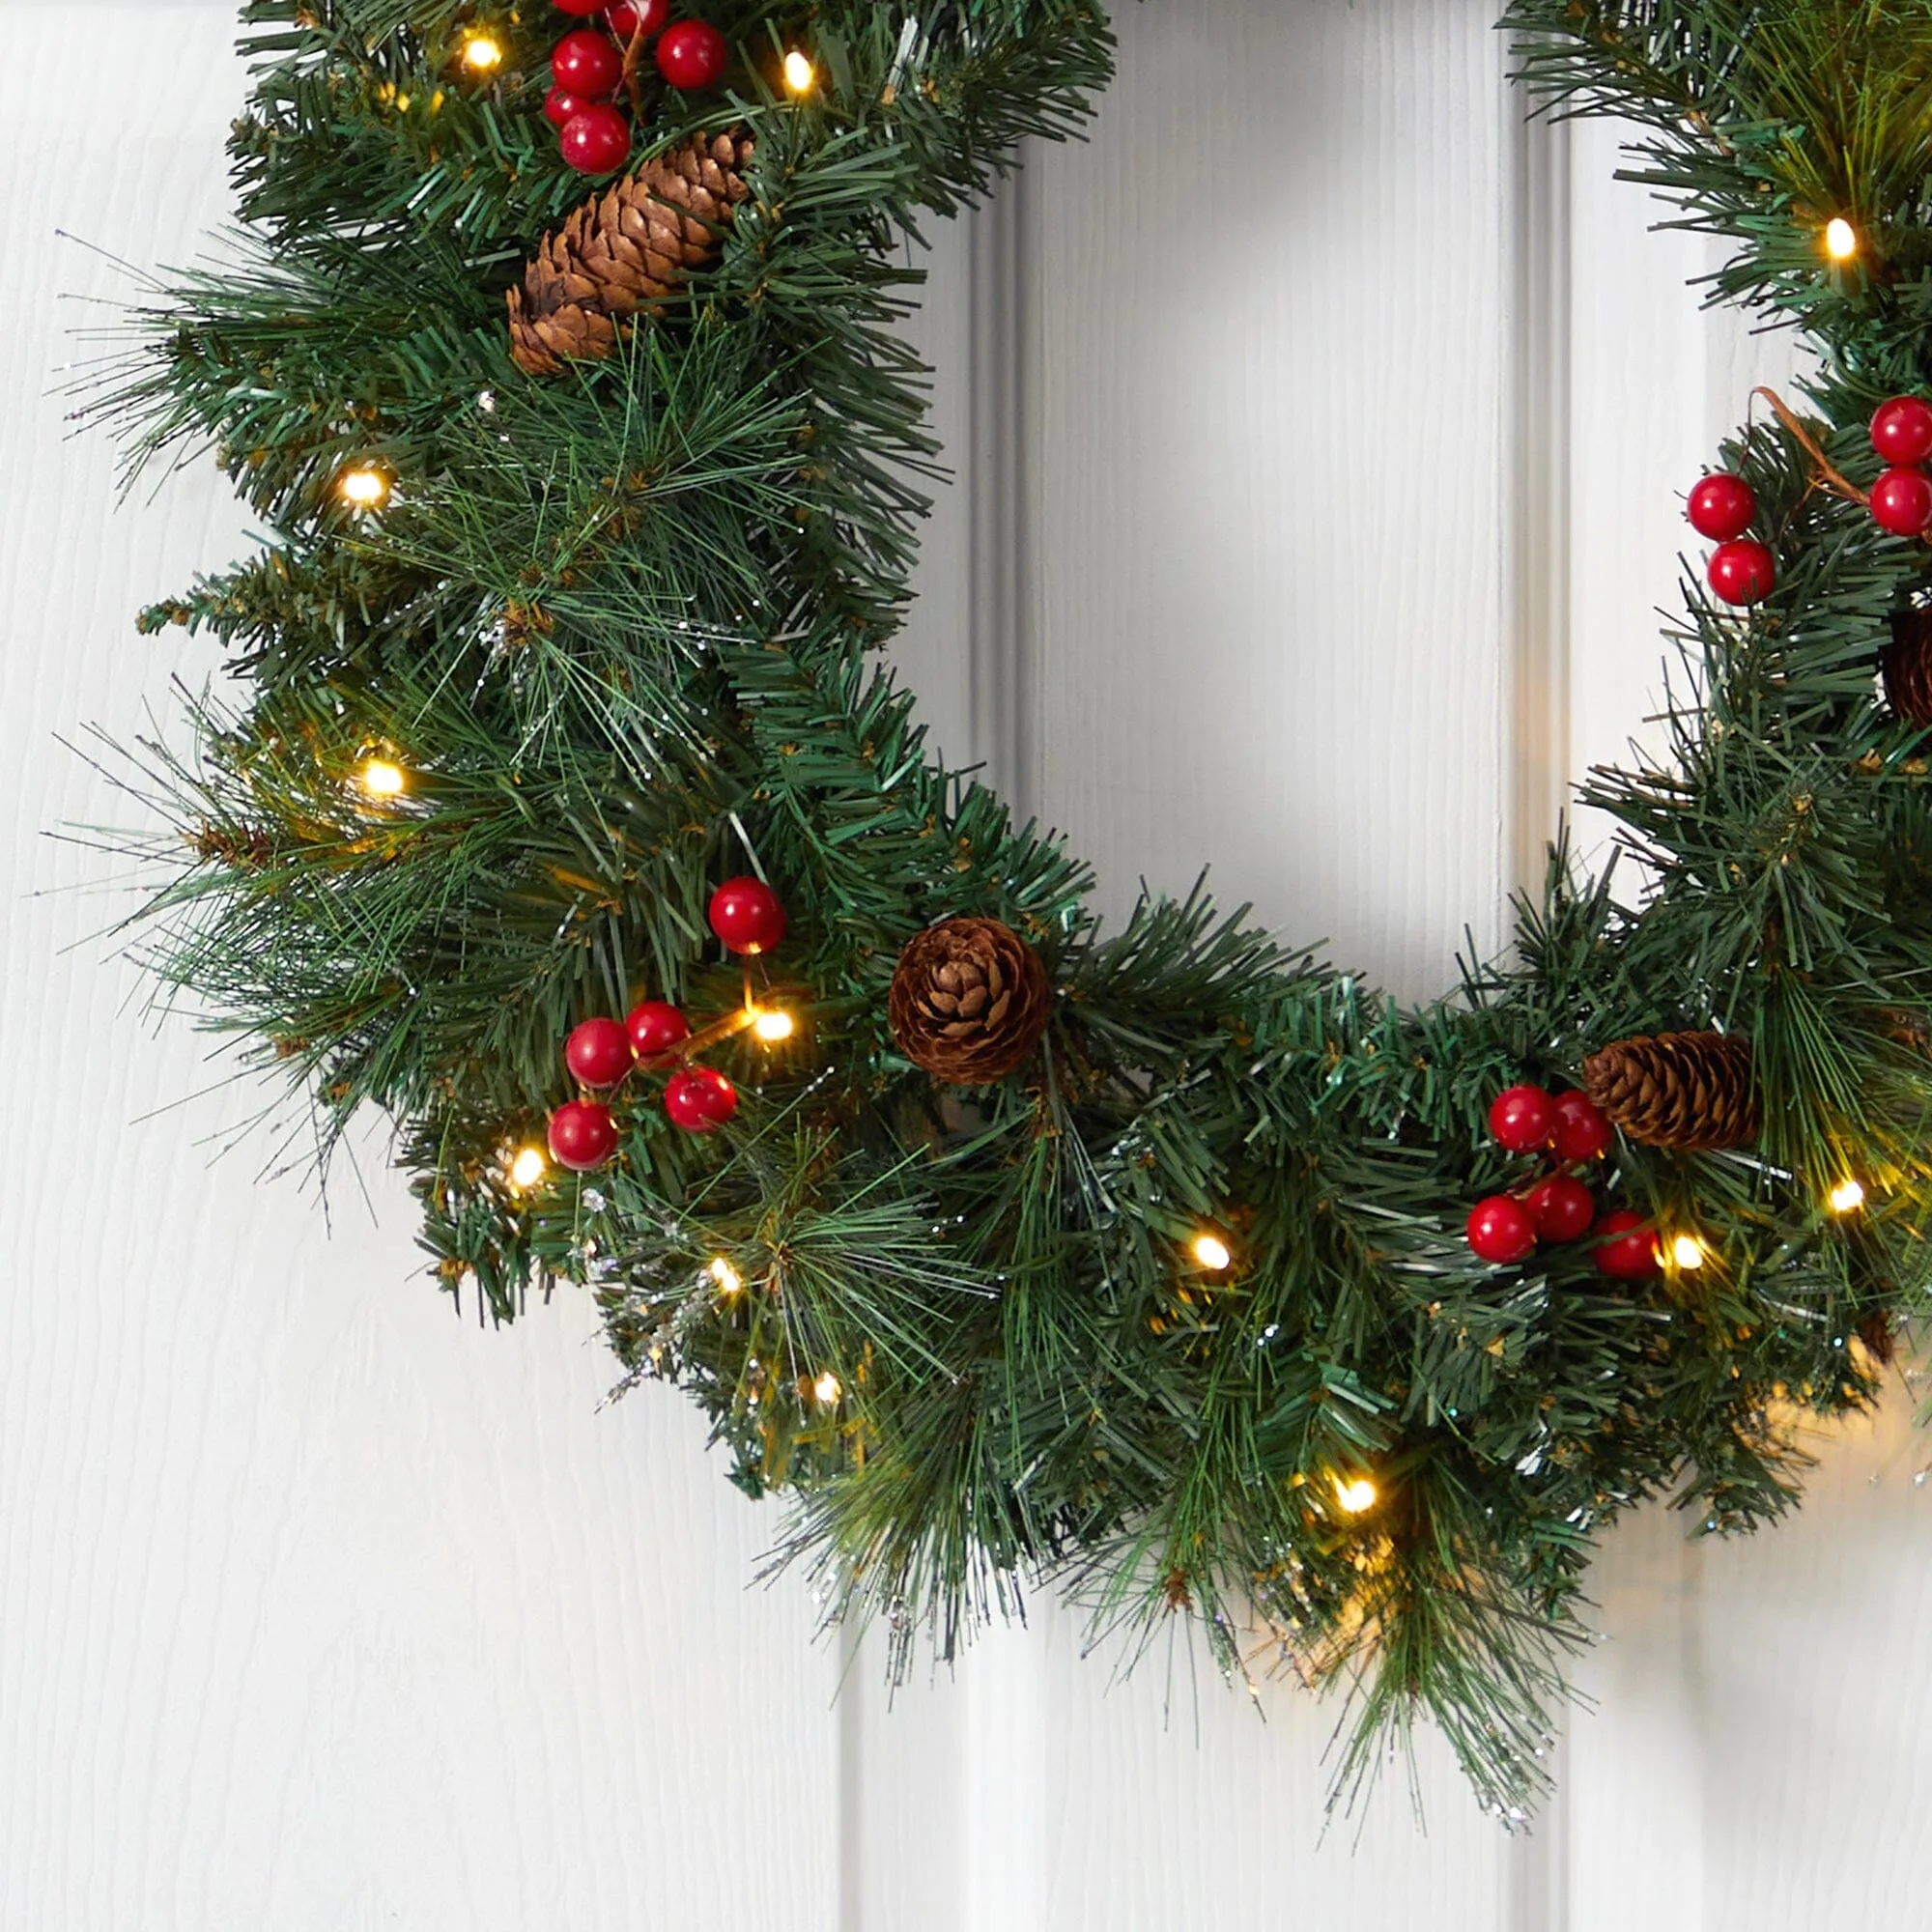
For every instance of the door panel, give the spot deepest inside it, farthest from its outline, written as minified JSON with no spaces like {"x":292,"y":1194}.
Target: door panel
{"x":1267,"y":306}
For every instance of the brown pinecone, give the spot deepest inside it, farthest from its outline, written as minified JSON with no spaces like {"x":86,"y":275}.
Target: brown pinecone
{"x":969,"y":1001}
{"x":1688,"y":1092}
{"x":625,"y":251}
{"x":1876,"y":1332}
{"x":1907,"y":665}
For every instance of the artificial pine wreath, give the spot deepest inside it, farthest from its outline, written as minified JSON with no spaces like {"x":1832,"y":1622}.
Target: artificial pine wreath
{"x":568,"y":804}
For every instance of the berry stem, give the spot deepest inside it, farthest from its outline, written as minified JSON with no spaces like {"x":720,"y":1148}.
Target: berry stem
{"x":1825,"y":473}
{"x":710,"y":1035}
{"x":726,"y":1027}
{"x":634,"y":61}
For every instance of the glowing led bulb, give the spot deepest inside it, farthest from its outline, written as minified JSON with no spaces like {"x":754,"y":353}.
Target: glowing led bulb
{"x":1847,"y":1195}
{"x":827,"y":1389}
{"x":527,"y":1168}
{"x":730,"y":1281}
{"x":800,"y":73}
{"x":772,"y":1025}
{"x":1211,"y":1252}
{"x":1687,"y":1252}
{"x":1355,"y":1495}
{"x":363,"y":488}
{"x":1842,"y":238}
{"x":481,"y":54}
{"x":381,"y":778}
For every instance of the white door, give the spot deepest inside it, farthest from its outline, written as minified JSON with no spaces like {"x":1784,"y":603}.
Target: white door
{"x":1308,"y":421}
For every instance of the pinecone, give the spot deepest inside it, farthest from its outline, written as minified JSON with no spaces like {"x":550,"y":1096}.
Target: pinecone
{"x":625,"y":251}
{"x":969,"y":1001}
{"x":1688,"y":1092}
{"x":1907,"y":665}
{"x":1876,"y":1332}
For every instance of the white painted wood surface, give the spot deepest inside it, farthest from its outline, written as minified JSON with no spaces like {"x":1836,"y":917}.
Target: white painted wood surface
{"x":319,"y":1609}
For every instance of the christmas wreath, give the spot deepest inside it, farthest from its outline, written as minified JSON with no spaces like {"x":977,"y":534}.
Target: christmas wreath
{"x":565,"y":813}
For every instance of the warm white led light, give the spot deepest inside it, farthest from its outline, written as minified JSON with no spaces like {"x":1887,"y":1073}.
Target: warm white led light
{"x":381,"y":778}
{"x":730,"y":1281}
{"x":827,"y":1389}
{"x":528,"y":1167}
{"x":481,"y":54}
{"x":1842,"y":238}
{"x":1213,"y":1252}
{"x":1846,"y":1196}
{"x":801,"y":76}
{"x":772,"y":1025}
{"x":1687,"y":1251}
{"x":1355,"y":1495}
{"x":363,"y":488}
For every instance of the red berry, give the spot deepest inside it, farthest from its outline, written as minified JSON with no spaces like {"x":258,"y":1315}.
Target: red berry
{"x":595,"y":140}
{"x":1501,"y":1230}
{"x":625,"y":19}
{"x":582,"y":9}
{"x":1626,"y":1249}
{"x":1743,"y":571}
{"x":699,"y":1098}
{"x":583,"y":1135}
{"x":655,"y":1027}
{"x":1561,"y":1207}
{"x":1901,"y":502}
{"x":691,"y":54}
{"x":1901,"y":430}
{"x":1520,"y":1118}
{"x":1583,"y":1129}
{"x":561,"y":106}
{"x":599,"y":1053}
{"x":1721,"y":506}
{"x":747,"y":916}
{"x":586,"y":63}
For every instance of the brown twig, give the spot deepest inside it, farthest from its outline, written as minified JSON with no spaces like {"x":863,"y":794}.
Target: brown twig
{"x":727,"y":1027}
{"x":1824,"y":470}
{"x":634,"y":61}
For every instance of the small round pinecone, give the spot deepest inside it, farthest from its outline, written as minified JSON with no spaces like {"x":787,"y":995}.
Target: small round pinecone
{"x":970,"y":1000}
{"x":1907,"y":665}
{"x":625,"y":250}
{"x":1688,"y":1092}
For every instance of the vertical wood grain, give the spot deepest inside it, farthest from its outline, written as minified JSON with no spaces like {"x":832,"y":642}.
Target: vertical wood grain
{"x":1269,"y":443}
{"x":1538,"y":394}
{"x":1815,"y":1680}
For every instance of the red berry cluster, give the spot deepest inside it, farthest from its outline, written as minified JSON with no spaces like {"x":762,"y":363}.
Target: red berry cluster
{"x":1723,"y":507}
{"x":1901,"y":499}
{"x":1558,"y":1206}
{"x":1740,"y":570}
{"x":586,"y":69}
{"x":603,"y":1053}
